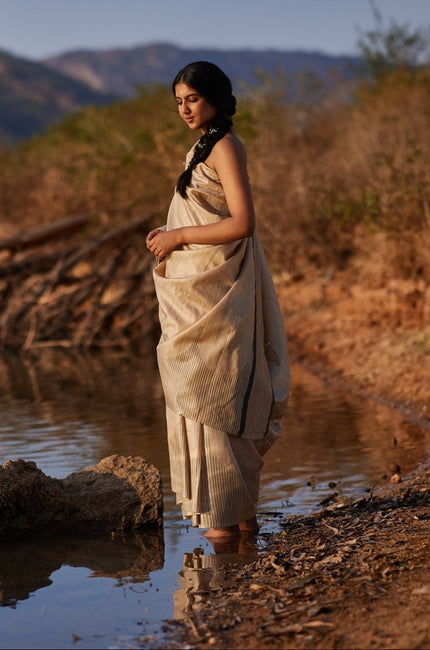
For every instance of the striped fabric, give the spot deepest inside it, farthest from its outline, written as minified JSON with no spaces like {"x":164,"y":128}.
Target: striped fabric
{"x":222,"y":355}
{"x":216,"y":477}
{"x":223,"y":362}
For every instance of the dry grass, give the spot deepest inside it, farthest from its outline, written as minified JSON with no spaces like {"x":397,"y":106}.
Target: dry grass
{"x":321,"y":176}
{"x":324,"y":177}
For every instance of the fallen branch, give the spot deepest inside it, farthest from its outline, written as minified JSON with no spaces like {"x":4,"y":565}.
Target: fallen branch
{"x":42,"y":234}
{"x":75,"y":294}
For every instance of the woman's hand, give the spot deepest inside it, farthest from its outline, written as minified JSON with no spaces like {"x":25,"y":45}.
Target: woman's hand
{"x":161,"y":242}
{"x":228,"y":159}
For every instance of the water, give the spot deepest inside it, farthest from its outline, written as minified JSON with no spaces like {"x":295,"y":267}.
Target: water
{"x":67,"y":412}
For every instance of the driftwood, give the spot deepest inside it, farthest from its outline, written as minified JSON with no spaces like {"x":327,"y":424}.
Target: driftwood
{"x":45,"y":233}
{"x":58,"y":289}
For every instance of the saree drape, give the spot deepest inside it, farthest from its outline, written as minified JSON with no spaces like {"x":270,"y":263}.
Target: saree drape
{"x":222,"y":355}
{"x":223,"y":362}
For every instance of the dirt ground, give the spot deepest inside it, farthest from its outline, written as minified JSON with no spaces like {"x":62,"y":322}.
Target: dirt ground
{"x":353,"y":575}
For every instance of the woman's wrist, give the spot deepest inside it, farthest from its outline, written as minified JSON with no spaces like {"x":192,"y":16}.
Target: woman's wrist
{"x":181,"y":236}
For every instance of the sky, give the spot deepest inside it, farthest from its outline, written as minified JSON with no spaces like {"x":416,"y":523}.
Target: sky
{"x":40,"y":28}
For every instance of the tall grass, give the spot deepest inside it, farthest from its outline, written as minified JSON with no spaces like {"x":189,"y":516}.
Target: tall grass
{"x":325,"y":176}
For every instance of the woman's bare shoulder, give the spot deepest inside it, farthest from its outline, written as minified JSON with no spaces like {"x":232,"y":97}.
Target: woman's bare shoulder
{"x":230,"y":145}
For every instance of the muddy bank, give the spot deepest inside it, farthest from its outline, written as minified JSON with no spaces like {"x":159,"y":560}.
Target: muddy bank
{"x":369,"y":337}
{"x":355,"y":574}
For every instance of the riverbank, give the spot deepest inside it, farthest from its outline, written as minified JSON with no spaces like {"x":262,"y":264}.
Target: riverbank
{"x":372,"y":337}
{"x":353,"y":575}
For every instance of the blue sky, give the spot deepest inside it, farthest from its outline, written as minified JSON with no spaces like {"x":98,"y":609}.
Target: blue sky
{"x":39,"y":28}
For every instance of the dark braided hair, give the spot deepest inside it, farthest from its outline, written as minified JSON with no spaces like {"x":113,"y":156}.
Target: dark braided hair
{"x":212,"y":84}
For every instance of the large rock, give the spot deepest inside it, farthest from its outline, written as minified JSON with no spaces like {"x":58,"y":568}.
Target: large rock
{"x":119,"y":494}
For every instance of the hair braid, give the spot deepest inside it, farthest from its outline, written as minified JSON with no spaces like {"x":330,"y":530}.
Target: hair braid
{"x":214,"y":85}
{"x":219,"y":126}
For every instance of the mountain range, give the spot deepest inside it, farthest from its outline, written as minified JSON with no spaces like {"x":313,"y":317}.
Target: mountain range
{"x":120,"y":70}
{"x":34,"y":95}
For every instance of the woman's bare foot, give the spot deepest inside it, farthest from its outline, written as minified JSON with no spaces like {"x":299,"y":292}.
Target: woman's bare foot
{"x":225,"y":545}
{"x":249,"y":526}
{"x":225,"y":532}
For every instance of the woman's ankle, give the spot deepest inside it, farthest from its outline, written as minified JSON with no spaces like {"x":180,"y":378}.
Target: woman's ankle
{"x":224,"y":531}
{"x":249,"y":526}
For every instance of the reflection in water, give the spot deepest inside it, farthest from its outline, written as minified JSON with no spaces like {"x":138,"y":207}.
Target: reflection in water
{"x":27,"y":566}
{"x":202,"y":574}
{"x":329,"y":436}
{"x":68,"y":411}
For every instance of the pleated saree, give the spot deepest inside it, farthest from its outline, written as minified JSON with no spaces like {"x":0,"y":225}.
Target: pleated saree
{"x":223,"y":362}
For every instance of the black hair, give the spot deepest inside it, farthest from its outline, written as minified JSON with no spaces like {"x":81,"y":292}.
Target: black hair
{"x":214,"y":85}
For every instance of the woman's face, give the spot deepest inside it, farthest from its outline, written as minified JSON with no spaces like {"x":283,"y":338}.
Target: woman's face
{"x":194,"y":109}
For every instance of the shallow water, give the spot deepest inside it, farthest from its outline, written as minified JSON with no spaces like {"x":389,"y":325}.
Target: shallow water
{"x":67,"y":412}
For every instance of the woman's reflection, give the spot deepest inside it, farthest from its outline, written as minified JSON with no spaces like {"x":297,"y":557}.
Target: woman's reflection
{"x":202,"y":574}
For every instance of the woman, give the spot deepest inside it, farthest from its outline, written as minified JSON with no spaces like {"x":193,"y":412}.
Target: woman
{"x":222,"y":354}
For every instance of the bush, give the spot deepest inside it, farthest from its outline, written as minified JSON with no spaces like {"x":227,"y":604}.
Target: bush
{"x":320,"y":171}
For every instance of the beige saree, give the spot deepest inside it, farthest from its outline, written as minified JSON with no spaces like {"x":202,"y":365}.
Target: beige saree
{"x":223,"y":362}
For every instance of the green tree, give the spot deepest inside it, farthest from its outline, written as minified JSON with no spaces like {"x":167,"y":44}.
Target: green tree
{"x":387,"y":47}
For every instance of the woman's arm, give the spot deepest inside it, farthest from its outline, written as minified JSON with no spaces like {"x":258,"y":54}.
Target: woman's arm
{"x":228,"y":158}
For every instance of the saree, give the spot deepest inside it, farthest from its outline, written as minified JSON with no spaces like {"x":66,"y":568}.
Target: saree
{"x":222,"y":358}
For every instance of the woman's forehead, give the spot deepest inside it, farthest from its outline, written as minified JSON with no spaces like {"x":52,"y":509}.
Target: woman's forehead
{"x":183,"y":90}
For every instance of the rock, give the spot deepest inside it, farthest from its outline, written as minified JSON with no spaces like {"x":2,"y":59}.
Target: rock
{"x":123,"y":491}
{"x":119,"y":494}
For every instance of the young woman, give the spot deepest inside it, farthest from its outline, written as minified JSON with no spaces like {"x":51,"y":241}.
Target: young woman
{"x":222,"y":354}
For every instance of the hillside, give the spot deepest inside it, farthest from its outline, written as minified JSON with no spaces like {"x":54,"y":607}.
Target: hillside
{"x":119,"y":71}
{"x":337,"y":188}
{"x":33,"y":96}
